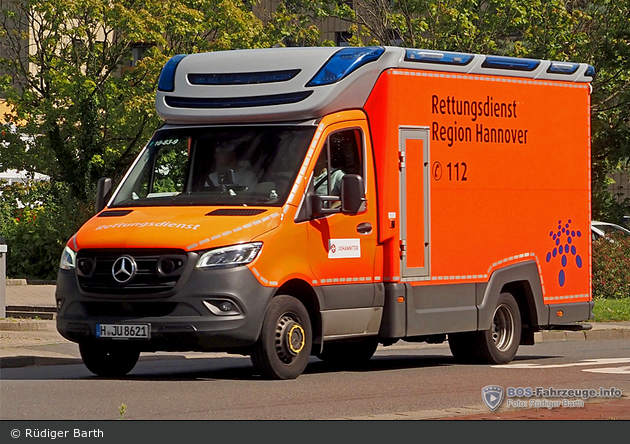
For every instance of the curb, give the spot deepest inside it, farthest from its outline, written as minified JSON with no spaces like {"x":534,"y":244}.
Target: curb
{"x":38,"y":361}
{"x":589,"y":335}
{"x":36,"y":325}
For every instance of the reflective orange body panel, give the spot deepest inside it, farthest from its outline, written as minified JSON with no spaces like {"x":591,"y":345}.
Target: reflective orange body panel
{"x":510,"y":175}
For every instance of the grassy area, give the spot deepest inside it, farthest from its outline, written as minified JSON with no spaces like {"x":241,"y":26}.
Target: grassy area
{"x":607,"y":310}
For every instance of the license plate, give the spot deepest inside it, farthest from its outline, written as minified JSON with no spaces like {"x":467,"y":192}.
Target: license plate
{"x":123,"y":331}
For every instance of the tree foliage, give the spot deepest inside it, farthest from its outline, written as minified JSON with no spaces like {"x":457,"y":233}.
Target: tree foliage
{"x":80,"y":110}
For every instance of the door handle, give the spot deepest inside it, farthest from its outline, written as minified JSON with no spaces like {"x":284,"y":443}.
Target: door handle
{"x":364,"y":228}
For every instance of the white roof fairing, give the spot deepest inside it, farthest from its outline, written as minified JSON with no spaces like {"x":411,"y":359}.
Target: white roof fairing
{"x":240,"y":102}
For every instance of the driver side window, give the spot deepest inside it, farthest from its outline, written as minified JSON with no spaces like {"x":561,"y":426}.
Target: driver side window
{"x":342,"y":154}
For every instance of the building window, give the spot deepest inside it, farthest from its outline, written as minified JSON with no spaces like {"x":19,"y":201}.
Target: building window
{"x":343,"y":38}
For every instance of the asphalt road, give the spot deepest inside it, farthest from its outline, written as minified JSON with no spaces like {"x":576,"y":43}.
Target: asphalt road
{"x":399,"y":380}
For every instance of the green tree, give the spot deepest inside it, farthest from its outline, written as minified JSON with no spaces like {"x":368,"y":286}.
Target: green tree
{"x":79,"y":113}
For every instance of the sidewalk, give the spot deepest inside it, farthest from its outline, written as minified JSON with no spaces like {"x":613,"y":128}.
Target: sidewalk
{"x":31,"y":295}
{"x":602,"y":410}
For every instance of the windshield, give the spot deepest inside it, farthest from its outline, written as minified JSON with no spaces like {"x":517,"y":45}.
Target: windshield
{"x":217,"y":166}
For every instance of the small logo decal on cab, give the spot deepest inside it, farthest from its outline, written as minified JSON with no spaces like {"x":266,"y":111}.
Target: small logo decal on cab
{"x":344,"y":248}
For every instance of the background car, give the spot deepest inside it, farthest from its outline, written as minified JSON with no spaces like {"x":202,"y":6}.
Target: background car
{"x":605,"y":229}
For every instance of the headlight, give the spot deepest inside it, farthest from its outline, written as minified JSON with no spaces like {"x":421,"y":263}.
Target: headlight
{"x":232,"y":256}
{"x":68,"y":259}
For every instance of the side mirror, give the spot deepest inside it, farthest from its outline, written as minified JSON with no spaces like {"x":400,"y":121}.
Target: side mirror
{"x":352,"y":194}
{"x":103,"y":193}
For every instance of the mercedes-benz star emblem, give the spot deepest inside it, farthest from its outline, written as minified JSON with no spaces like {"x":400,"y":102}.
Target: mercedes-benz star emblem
{"x":124,"y":269}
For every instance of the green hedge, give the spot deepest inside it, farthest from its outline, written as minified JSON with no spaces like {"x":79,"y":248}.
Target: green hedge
{"x":611,"y":267}
{"x":37,"y":219}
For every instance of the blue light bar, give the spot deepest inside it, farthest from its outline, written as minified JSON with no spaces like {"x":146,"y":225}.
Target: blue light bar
{"x":445,"y":58}
{"x":512,"y":63}
{"x":344,"y":62}
{"x":563,"y":67}
{"x":590,"y":72}
{"x":167,"y":76}
{"x":243,"y":78}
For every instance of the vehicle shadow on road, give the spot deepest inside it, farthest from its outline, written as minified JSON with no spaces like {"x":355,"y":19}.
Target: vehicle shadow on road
{"x":178,"y":368}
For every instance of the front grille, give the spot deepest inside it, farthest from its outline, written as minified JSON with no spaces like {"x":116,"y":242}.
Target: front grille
{"x":156,"y":271}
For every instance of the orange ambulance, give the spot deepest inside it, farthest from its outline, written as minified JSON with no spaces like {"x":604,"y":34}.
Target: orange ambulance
{"x":323,"y":201}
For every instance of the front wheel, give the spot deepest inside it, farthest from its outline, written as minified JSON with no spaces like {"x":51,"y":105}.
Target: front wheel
{"x":285,"y":342}
{"x":108,"y":360}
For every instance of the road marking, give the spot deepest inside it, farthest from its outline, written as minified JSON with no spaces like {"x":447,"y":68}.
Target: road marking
{"x":602,"y":361}
{"x":611,"y":370}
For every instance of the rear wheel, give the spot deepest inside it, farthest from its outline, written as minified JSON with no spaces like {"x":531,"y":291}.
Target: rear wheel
{"x":497,"y":345}
{"x":106,"y":360}
{"x":349,"y":353}
{"x":285,"y":342}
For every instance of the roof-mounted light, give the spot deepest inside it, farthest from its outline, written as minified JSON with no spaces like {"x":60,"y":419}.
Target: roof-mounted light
{"x":344,"y":62}
{"x":590,"y":72}
{"x":512,"y":63}
{"x":445,"y":58}
{"x":167,"y":76}
{"x":563,"y":67}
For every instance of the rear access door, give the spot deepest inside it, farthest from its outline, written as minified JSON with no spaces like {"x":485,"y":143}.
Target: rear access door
{"x":415,"y":232}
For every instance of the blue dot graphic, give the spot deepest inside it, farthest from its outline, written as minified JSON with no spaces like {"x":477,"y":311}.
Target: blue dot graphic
{"x":562,"y":248}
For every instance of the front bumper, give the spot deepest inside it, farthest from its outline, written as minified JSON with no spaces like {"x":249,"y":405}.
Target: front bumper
{"x":180,"y":320}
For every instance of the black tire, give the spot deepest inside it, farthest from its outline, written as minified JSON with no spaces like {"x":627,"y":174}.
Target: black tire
{"x":499,"y":344}
{"x":286,"y":340}
{"x":348,"y":354}
{"x":108,"y":360}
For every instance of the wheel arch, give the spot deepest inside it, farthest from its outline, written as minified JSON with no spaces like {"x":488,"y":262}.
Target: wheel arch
{"x":523,"y":282}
